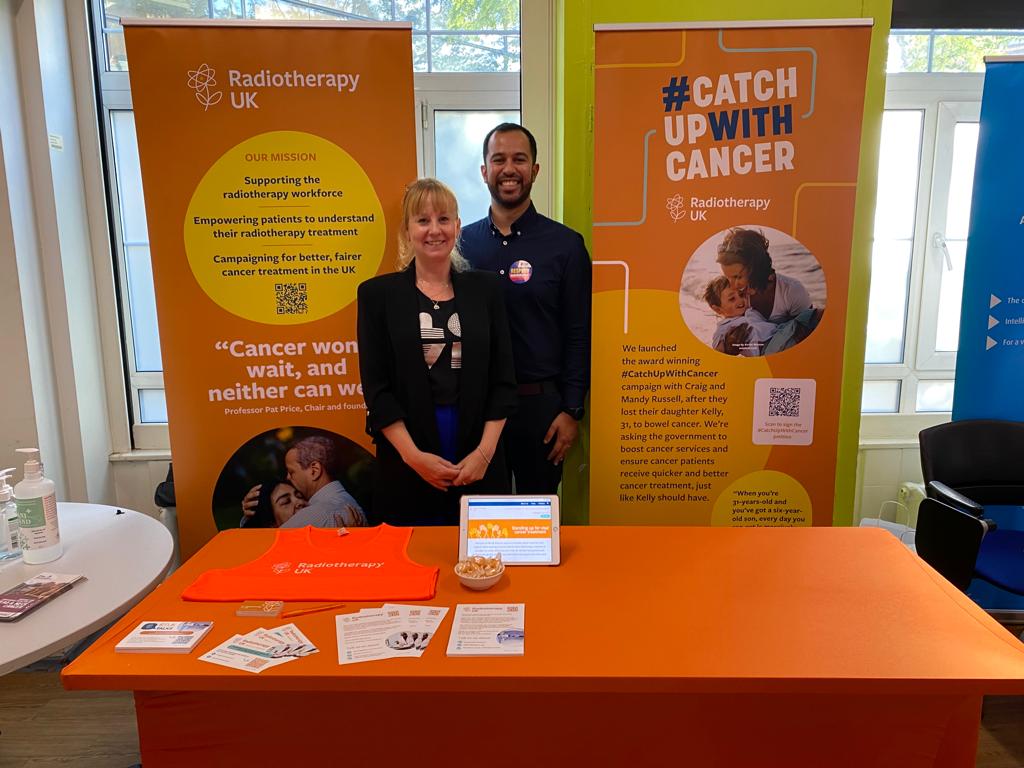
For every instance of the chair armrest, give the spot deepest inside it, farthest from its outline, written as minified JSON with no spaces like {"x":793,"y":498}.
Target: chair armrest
{"x":944,"y":493}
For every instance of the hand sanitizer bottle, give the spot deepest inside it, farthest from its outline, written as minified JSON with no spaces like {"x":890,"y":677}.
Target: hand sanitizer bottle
{"x":10,"y":539}
{"x":36,"y":499}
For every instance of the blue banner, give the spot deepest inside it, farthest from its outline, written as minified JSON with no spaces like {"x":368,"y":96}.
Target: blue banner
{"x":990,"y":358}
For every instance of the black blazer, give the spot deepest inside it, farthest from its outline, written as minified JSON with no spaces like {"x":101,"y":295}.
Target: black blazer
{"x":395,"y":382}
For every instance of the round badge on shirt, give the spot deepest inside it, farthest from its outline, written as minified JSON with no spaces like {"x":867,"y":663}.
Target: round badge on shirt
{"x":520,"y":272}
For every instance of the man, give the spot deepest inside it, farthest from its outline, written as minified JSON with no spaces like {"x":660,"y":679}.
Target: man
{"x":546,"y":271}
{"x":311,"y":463}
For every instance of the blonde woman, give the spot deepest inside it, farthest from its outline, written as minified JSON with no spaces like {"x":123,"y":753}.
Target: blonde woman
{"x":435,"y":359}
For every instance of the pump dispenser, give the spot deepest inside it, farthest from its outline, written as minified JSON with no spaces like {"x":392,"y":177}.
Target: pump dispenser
{"x":36,"y":500}
{"x":10,"y":540}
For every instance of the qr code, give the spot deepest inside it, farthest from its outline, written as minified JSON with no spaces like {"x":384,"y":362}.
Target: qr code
{"x":291,"y":298}
{"x":784,"y":401}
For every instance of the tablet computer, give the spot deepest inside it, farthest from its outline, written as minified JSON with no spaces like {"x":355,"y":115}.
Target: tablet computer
{"x":524,"y":529}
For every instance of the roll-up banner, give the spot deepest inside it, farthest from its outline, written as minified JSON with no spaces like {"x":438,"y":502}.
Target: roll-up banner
{"x":990,"y":356}
{"x":273,"y":160}
{"x":725,"y":174}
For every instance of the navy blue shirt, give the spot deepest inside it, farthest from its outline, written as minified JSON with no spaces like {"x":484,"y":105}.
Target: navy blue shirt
{"x":546,"y":274}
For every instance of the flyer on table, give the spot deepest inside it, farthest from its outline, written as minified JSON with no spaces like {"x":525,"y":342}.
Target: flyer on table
{"x":273,"y":160}
{"x":725,"y":171}
{"x":488,"y":629}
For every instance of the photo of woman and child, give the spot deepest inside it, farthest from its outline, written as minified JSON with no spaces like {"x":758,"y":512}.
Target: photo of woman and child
{"x":743,"y":294}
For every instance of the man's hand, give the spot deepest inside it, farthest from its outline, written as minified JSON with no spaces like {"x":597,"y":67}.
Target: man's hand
{"x":251,"y":500}
{"x":563,"y":431}
{"x":434,"y":470}
{"x":349,"y":517}
{"x":471,"y":468}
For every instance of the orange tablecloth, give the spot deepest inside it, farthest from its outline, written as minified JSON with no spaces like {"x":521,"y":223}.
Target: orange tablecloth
{"x":723,"y":646}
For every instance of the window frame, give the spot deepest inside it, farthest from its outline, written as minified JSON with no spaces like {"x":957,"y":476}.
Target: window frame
{"x":438,"y":91}
{"x":949,"y":113}
{"x":944,"y":98}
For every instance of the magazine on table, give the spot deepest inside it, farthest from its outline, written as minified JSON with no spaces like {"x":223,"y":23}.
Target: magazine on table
{"x":29,"y":595}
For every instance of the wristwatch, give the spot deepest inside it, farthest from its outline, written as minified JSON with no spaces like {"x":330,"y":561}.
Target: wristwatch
{"x":576,"y":413}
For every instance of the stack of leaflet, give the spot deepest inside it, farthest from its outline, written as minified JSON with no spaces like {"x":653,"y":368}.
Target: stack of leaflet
{"x":389,"y":632}
{"x":262,"y":649}
{"x":164,"y":637}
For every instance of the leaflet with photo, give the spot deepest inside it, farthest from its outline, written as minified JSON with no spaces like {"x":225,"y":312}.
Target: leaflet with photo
{"x":488,"y":629}
{"x":389,"y":632}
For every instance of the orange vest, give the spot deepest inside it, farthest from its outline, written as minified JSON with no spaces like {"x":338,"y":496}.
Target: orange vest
{"x":317,"y":564}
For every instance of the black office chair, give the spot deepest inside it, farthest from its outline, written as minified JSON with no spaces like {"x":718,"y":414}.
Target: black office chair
{"x":949,"y":540}
{"x":968,"y":466}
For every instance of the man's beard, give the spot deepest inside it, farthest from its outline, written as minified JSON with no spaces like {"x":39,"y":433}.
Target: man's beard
{"x":526,"y":186}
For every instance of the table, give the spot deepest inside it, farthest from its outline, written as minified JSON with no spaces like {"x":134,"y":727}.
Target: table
{"x":697,"y":646}
{"x":122,"y":554}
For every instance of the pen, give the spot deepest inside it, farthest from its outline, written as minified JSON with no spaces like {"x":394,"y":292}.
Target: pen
{"x":303,"y":611}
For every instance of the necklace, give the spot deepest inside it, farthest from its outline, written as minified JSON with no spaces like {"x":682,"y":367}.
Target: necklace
{"x":423,"y":283}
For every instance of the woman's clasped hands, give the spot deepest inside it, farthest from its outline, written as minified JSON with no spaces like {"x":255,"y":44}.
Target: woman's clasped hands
{"x":435,"y":470}
{"x":442,"y":474}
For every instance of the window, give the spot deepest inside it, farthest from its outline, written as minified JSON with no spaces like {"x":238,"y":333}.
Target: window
{"x":448,"y":35}
{"x":925,"y":180}
{"x":467,"y":59}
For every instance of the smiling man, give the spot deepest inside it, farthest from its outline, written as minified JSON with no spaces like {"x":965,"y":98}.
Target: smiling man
{"x":546,"y":274}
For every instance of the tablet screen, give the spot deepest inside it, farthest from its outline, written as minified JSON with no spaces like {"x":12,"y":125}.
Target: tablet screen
{"x":522,"y":528}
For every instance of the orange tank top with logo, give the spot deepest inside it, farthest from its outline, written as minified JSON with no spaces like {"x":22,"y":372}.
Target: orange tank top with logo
{"x":317,"y":564}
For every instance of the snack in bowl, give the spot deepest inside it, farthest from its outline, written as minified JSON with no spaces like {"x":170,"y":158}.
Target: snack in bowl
{"x":480,"y":572}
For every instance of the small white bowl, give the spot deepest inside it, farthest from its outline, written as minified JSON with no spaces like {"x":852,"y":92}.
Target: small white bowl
{"x":482,"y":582}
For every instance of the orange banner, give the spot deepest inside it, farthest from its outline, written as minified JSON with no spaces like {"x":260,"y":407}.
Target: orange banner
{"x":273,"y":162}
{"x":724,"y":186}
{"x":509,"y":529}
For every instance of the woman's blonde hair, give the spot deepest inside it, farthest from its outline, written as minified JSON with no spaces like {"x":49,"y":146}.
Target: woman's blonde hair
{"x":419,"y":195}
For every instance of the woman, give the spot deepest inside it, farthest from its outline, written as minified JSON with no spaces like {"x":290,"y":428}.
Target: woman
{"x":435,"y":359}
{"x":271,"y":504}
{"x":745,"y":261}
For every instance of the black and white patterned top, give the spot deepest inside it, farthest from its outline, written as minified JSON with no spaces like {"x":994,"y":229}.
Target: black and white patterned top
{"x":441,"y":335}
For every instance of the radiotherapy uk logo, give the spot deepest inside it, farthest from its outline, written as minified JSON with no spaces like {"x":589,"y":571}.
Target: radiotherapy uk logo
{"x":202,"y":80}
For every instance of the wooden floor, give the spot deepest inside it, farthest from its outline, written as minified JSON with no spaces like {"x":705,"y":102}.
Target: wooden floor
{"x":44,"y":726}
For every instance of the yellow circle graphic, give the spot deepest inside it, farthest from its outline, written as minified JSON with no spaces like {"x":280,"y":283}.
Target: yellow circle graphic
{"x":765,"y":498}
{"x":283,"y":228}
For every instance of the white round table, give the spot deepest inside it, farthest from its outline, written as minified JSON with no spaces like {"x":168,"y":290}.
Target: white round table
{"x":122,"y":554}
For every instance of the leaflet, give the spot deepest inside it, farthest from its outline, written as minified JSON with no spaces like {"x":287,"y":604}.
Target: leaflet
{"x":363,"y":636}
{"x":422,"y":619}
{"x":29,"y":595}
{"x":488,"y":629}
{"x":391,"y":631}
{"x":262,"y":649}
{"x":231,"y":654}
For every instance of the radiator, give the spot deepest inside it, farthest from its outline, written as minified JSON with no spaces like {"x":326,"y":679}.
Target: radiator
{"x":910,"y":496}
